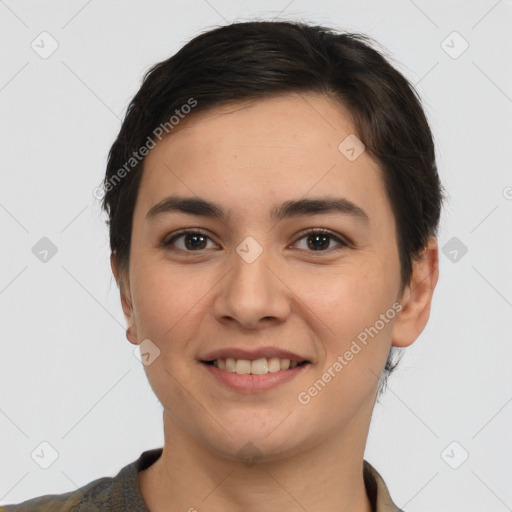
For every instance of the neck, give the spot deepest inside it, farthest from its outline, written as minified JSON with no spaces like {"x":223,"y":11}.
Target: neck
{"x":190,"y":477}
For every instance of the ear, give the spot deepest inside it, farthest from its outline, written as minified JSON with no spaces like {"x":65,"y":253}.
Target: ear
{"x":417,"y":297}
{"x":126,"y":303}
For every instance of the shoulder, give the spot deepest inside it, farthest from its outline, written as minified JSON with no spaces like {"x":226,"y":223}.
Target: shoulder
{"x":96,"y":492}
{"x":377,"y":490}
{"x":112,"y":494}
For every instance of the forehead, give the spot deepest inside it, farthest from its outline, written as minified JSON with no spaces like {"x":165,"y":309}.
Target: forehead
{"x":253,"y":151}
{"x":295,"y":121}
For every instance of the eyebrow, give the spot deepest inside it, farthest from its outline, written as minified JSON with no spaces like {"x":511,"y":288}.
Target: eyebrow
{"x":289,"y":209}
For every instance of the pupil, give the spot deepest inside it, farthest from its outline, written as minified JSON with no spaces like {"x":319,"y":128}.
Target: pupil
{"x":317,"y":238}
{"x":195,"y":237}
{"x":319,"y":241}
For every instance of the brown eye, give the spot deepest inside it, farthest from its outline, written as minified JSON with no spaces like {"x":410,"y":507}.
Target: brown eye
{"x":320,"y":240}
{"x":189,"y":241}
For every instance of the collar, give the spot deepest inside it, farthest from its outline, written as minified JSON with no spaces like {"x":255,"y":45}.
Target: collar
{"x":376,"y":488}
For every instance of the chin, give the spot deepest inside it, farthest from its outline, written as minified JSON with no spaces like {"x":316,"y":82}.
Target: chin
{"x":253,"y":440}
{"x":251,"y":451}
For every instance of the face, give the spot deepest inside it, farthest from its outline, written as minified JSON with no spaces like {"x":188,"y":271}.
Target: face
{"x":252,"y":280}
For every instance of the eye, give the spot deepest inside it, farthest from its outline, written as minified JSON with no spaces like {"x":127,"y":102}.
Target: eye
{"x":192,"y":241}
{"x":319,"y":240}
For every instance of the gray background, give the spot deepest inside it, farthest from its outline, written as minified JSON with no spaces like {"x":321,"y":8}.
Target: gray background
{"x":68,"y":376}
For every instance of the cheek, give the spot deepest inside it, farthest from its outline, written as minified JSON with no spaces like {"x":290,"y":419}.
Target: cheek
{"x":164,"y":299}
{"x":356,"y":313}
{"x":167,"y":307}
{"x":357,"y":318}
{"x":348,"y":298}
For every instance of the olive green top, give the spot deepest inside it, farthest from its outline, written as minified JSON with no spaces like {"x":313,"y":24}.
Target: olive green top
{"x":121,"y":493}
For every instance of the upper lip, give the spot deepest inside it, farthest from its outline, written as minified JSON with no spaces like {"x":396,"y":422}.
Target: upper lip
{"x":259,"y":353}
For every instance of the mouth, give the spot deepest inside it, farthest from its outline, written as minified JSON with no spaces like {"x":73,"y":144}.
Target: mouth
{"x":260,"y":366}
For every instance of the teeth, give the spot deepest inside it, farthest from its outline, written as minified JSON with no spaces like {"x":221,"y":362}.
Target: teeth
{"x":274,"y":364}
{"x":230,"y":365}
{"x":256,"y":367}
{"x":243,"y":366}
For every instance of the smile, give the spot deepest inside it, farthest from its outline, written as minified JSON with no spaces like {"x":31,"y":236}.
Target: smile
{"x":254,"y":376}
{"x":259,"y":366}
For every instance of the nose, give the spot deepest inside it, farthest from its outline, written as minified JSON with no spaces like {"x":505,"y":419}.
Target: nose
{"x":252,"y":294}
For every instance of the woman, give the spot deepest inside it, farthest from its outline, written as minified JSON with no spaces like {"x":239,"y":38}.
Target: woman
{"x":273,"y":203}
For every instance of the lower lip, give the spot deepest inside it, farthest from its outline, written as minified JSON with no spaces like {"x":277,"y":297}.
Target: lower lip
{"x":247,"y":383}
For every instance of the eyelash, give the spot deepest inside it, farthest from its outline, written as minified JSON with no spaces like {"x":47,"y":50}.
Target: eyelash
{"x":312,"y":231}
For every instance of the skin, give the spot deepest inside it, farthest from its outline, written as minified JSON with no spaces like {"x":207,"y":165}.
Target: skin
{"x":249,"y":157}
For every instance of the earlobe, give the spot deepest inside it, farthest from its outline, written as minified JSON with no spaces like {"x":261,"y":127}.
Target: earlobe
{"x":124,"y":292}
{"x":417,"y":297}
